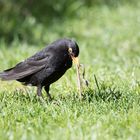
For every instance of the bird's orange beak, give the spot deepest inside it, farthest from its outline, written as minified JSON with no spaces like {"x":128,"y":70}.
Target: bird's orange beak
{"x":76,"y":60}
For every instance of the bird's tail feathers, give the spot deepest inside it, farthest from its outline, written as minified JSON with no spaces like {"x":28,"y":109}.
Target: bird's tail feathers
{"x":7,"y":74}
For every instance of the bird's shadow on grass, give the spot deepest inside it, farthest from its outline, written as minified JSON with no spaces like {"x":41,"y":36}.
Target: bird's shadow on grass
{"x":105,"y":93}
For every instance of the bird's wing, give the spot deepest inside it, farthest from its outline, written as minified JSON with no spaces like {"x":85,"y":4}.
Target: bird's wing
{"x":25,"y":68}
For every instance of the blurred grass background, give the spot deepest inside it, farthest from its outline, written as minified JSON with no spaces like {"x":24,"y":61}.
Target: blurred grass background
{"x":34,"y":21}
{"x":108,"y":35}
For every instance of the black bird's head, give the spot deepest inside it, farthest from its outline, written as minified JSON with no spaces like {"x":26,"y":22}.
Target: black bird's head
{"x":73,"y":50}
{"x":70,"y":46}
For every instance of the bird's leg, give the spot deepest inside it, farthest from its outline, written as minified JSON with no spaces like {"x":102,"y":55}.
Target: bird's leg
{"x":39,"y":90}
{"x":47,"y":91}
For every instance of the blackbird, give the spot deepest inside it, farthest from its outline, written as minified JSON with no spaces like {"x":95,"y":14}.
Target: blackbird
{"x":45,"y":67}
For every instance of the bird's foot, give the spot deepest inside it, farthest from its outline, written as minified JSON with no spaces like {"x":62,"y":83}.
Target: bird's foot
{"x":49,"y":97}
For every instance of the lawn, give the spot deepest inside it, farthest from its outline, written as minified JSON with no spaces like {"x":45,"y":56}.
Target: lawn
{"x":109,"y":40}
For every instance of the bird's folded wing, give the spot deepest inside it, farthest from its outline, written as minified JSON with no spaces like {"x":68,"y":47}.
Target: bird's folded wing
{"x":24,"y":69}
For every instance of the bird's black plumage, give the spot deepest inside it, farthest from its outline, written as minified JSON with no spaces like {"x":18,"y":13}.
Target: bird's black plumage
{"x":46,"y":66}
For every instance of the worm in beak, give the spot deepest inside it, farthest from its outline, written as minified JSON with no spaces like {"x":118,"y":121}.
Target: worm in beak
{"x":76,"y":61}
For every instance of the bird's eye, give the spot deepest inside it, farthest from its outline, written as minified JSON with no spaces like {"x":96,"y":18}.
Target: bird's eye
{"x":70,"y":50}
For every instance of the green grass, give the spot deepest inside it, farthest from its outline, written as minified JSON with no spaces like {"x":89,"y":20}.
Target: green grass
{"x":109,"y":41}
